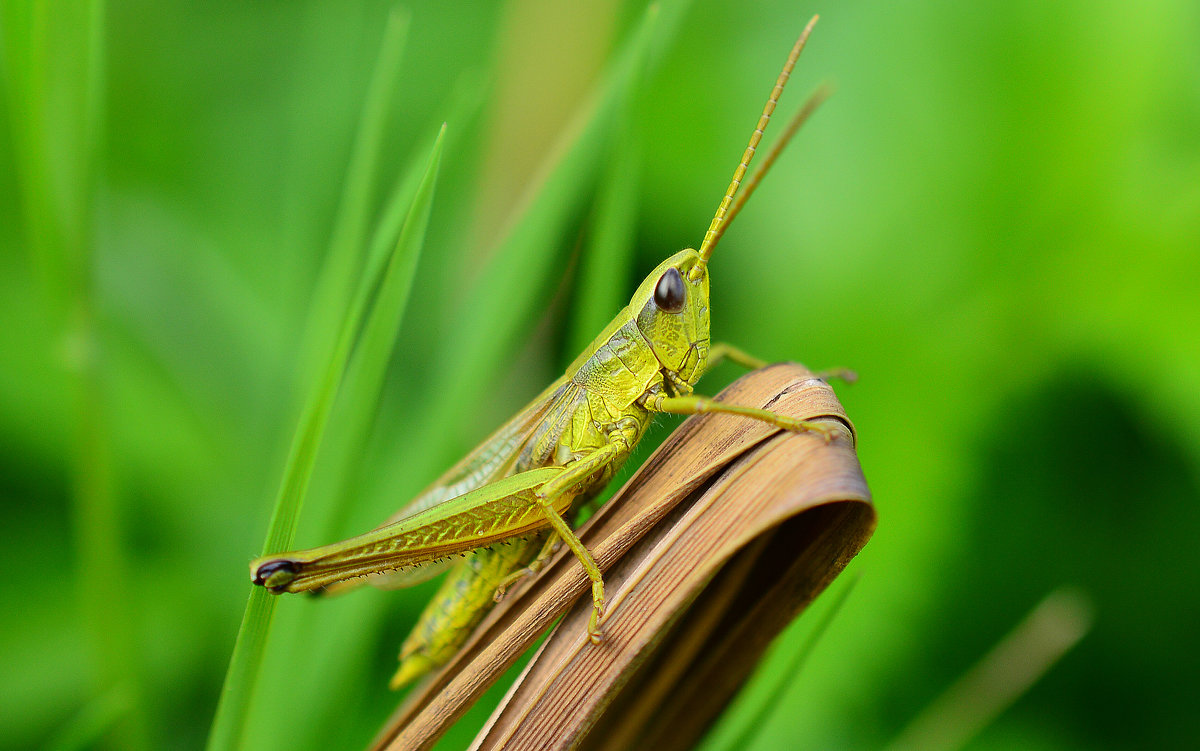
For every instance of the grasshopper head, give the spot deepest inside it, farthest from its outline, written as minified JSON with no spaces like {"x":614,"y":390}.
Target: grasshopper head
{"x":671,"y":310}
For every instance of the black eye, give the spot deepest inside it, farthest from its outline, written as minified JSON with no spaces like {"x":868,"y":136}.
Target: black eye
{"x":669,"y":292}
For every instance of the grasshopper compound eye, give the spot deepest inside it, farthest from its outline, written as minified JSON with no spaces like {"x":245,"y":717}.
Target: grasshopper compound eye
{"x":669,"y":292}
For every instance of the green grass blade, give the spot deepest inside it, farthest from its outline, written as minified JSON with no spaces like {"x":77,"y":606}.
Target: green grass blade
{"x":339,"y":278}
{"x":293,"y":658}
{"x":232,"y":711}
{"x":357,"y":409}
{"x":364,"y":380}
{"x":384,"y":288}
{"x":342,"y":269}
{"x":1018,"y":661}
{"x":355,"y":413}
{"x":344,"y":261}
{"x":234,"y":704}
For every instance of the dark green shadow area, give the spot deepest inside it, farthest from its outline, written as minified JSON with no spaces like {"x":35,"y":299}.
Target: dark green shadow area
{"x":1078,"y":487}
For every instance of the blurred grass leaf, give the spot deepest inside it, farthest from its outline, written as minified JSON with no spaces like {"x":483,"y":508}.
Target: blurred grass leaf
{"x":89,"y":727}
{"x":999,"y":678}
{"x":58,"y":126}
{"x":607,"y":257}
{"x":343,"y":267}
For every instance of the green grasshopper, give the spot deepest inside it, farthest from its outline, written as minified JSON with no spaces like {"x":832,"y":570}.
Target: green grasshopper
{"x":552,"y":457}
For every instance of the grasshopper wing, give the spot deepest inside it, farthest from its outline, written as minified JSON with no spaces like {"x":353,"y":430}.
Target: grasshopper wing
{"x":498,"y":511}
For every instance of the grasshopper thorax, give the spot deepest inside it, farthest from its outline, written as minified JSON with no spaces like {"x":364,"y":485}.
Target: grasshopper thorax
{"x":670,"y":308}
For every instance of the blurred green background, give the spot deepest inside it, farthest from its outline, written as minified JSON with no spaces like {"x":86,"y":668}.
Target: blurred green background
{"x":995,"y":221}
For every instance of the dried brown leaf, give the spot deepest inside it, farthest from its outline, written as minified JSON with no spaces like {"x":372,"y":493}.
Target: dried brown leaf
{"x":725,"y":533}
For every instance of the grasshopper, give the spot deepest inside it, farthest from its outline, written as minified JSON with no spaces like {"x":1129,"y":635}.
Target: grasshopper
{"x":552,"y":457}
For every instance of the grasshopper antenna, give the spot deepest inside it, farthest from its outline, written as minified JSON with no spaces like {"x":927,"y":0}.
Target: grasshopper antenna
{"x":728,"y":209}
{"x":810,"y":105}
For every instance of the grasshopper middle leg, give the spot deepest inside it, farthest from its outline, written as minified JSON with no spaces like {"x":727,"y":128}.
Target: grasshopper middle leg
{"x":579,"y":474}
{"x":589,"y":565}
{"x":543,"y":557}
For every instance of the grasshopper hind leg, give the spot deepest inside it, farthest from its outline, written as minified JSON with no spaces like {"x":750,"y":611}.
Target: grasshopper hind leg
{"x":537,"y":564}
{"x":577,"y":547}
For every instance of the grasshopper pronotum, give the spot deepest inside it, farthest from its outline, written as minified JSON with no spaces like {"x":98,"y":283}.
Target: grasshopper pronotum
{"x":555,"y":454}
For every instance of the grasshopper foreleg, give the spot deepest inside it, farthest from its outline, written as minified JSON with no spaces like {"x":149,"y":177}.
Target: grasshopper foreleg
{"x":695,"y":404}
{"x":576,"y":475}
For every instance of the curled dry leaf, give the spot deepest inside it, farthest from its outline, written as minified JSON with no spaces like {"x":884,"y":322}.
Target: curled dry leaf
{"x":722,"y":537}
